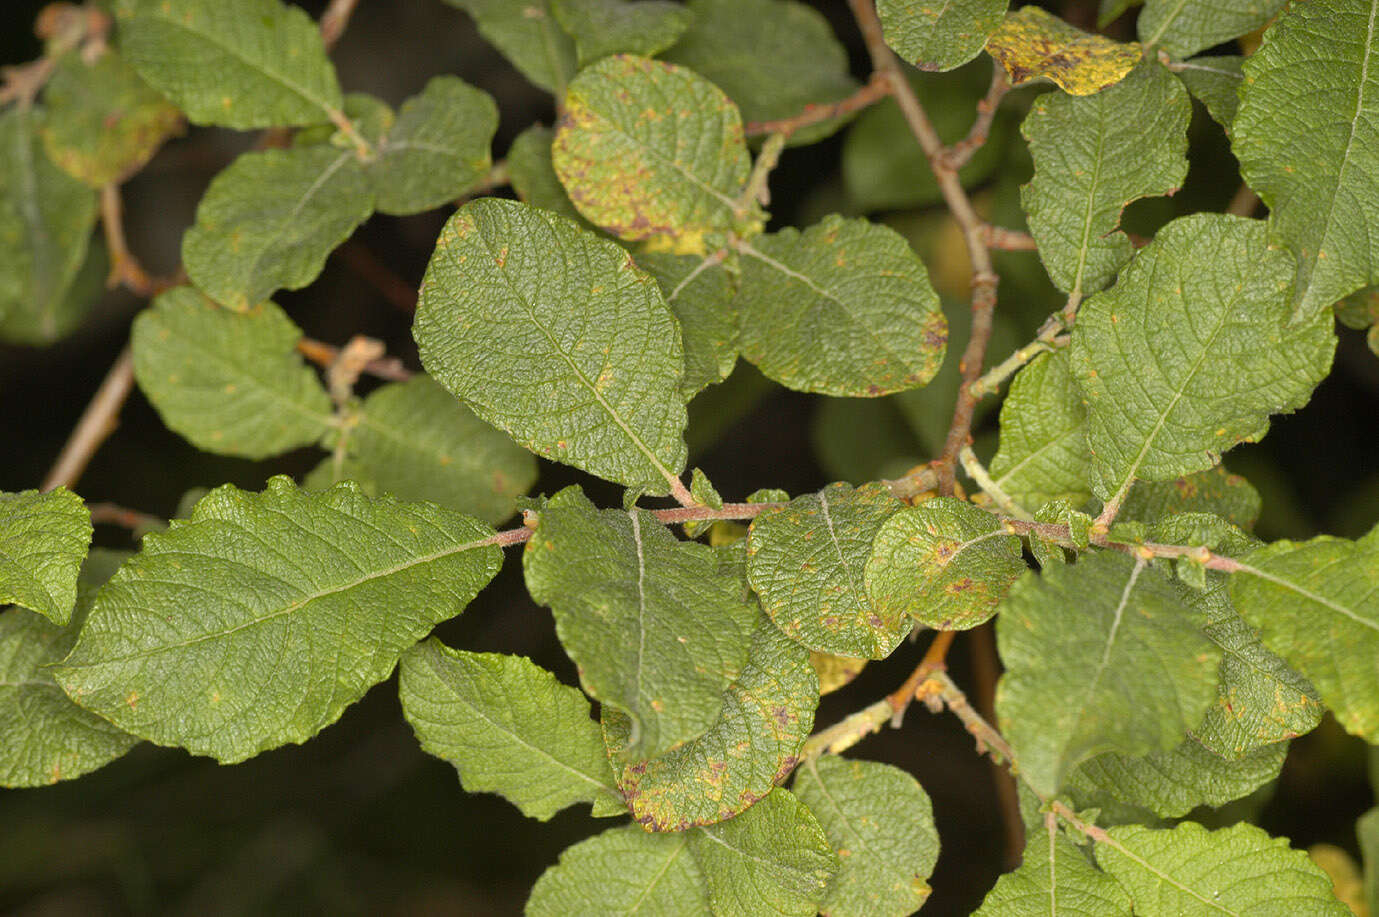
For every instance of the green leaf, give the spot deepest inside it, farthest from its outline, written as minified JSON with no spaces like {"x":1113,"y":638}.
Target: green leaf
{"x":102,"y":122}
{"x":44,"y":737}
{"x":46,"y":218}
{"x":1188,"y":870}
{"x":772,"y":57}
{"x":230,"y":383}
{"x":1215,"y":491}
{"x":604,"y":27}
{"x":764,"y":718}
{"x":268,"y":221}
{"x":676,"y":174}
{"x":581,"y":357}
{"x":1032,"y":44}
{"x":624,"y":870}
{"x":507,"y":726}
{"x":1261,"y":700}
{"x":1215,"y":82}
{"x":416,"y":442}
{"x":655,"y":632}
{"x":1317,"y":165}
{"x":1191,"y":351}
{"x":1093,"y":155}
{"x":533,"y":176}
{"x":775,"y":855}
{"x":807,"y":562}
{"x":1316,"y":604}
{"x":944,"y":563}
{"x":1043,"y":451}
{"x":1367,"y":831}
{"x":246,"y":65}
{"x":939,"y":36}
{"x":1100,"y":656}
{"x":883,"y":167}
{"x":438,"y":148}
{"x":43,"y":540}
{"x":843,"y":308}
{"x":699,"y":290}
{"x":256,"y":622}
{"x":879,"y":821}
{"x":1172,"y":783}
{"x":1055,"y":880}
{"x":529,"y":37}
{"x":1184,"y":27}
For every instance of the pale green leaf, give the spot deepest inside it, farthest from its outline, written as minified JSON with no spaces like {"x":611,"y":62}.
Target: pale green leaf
{"x":268,"y":221}
{"x":883,"y":167}
{"x":102,"y":123}
{"x":1185,"y":27}
{"x":437,"y":149}
{"x":246,"y":65}
{"x":43,"y":540}
{"x":259,"y":620}
{"x":650,"y":149}
{"x":772,"y":859}
{"x":1188,"y":870}
{"x":1043,"y":449}
{"x":1215,"y":82}
{"x":333,"y":469}
{"x":506,"y":725}
{"x":1316,"y":604}
{"x":807,"y":564}
{"x":230,"y":383}
{"x":1100,"y":656}
{"x":604,"y":27}
{"x":1215,"y":491}
{"x":1055,"y":880}
{"x":553,"y":335}
{"x":764,"y":718}
{"x":1307,"y":137}
{"x":1172,"y":783}
{"x":844,"y":308}
{"x":699,"y":291}
{"x":1093,"y":155}
{"x":772,"y":57}
{"x":44,"y":737}
{"x":939,"y":36}
{"x":624,"y":870}
{"x":1367,"y":831}
{"x":415,"y":441}
{"x":944,"y":563}
{"x":1191,"y":351}
{"x":46,"y":217}
{"x":529,"y":37}
{"x":533,"y":176}
{"x":879,"y":821}
{"x":655,"y":631}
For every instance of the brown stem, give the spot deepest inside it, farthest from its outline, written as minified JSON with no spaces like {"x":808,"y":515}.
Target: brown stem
{"x":1244,"y":202}
{"x":984,"y":277}
{"x":1053,"y":531}
{"x":985,"y":671}
{"x":962,"y":151}
{"x":97,"y":422}
{"x":325,"y":355}
{"x":870,"y":94}
{"x":916,"y":482}
{"x":401,"y":294}
{"x":334,"y":21}
{"x":989,"y":741}
{"x":132,"y":519}
{"x":125,"y":269}
{"x":933,"y":661}
{"x":1009,"y":240}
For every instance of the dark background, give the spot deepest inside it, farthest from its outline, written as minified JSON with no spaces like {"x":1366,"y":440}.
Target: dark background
{"x":359,"y":821}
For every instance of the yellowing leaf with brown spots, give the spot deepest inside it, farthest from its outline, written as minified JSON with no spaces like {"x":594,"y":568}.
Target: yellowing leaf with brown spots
{"x":229,"y":382}
{"x":1033,"y":44}
{"x":944,"y":563}
{"x":650,"y":149}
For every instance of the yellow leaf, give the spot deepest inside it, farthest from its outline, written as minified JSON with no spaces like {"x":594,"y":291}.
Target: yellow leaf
{"x":835,"y":671}
{"x":1032,"y":44}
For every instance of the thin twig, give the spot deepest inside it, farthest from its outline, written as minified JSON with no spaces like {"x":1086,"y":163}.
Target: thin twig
{"x":1244,"y":202}
{"x":917,"y":481}
{"x":757,"y":190}
{"x":1057,"y":532}
{"x":941,"y":688}
{"x":984,"y":279}
{"x":962,"y":151}
{"x":847,"y":732}
{"x":125,"y":269}
{"x":334,"y":21}
{"x":132,"y":519}
{"x":1009,"y":240}
{"x":1047,"y":341}
{"x":978,"y":473}
{"x":97,"y":422}
{"x":932,"y":662}
{"x":325,"y":355}
{"x":870,"y":94}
